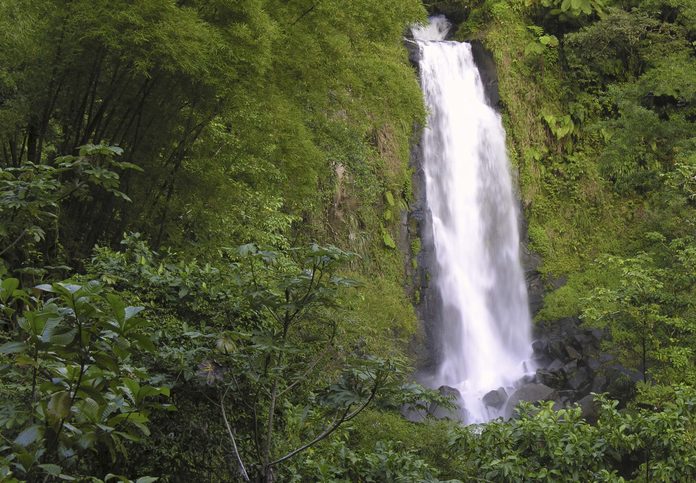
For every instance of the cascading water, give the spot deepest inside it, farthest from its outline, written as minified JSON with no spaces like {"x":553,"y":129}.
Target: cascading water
{"x":485,"y":327}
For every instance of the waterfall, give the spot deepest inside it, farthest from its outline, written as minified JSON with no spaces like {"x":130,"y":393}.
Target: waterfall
{"x":485,"y":324}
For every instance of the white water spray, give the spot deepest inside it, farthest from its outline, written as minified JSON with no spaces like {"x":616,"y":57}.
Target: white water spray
{"x":485,"y":334}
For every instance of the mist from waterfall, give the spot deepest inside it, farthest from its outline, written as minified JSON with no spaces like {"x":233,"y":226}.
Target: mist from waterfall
{"x":484,"y":333}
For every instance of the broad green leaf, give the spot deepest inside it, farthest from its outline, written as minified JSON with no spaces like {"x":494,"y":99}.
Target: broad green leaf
{"x":112,"y":476}
{"x":144,"y":341}
{"x":59,"y":405}
{"x":71,"y":288}
{"x":63,"y":339}
{"x":28,"y":436}
{"x":225,"y":344}
{"x":133,"y":311}
{"x":47,"y":331}
{"x":13,"y":347}
{"x":90,"y":408}
{"x":9,"y":285}
{"x":51,"y":469}
{"x":248,"y":249}
{"x":131,"y":388}
{"x":388,"y":240}
{"x":118,"y":307}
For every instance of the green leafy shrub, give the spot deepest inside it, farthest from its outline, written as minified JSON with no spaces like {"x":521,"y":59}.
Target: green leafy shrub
{"x":79,"y":397}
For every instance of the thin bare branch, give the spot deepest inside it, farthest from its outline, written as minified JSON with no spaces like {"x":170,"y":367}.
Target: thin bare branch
{"x":346,"y":416}
{"x":242,"y":469}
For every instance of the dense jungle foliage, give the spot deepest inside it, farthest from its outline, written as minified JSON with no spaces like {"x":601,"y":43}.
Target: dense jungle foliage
{"x":205,"y":269}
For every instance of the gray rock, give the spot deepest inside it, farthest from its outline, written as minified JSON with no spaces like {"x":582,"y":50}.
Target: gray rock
{"x":557,"y":349}
{"x":573,"y":352}
{"x":593,"y":364}
{"x":552,"y":379}
{"x":414,"y":54}
{"x":531,"y":392}
{"x":581,"y":380}
{"x":588,"y":408}
{"x":539,"y":346}
{"x":570,"y":368}
{"x":527,"y":379}
{"x":604,"y":357}
{"x":487,"y":70}
{"x":599,"y":383}
{"x":558,"y":405}
{"x":495,"y":398}
{"x":449,"y":391}
{"x":555,"y":366}
{"x":440,"y":412}
{"x":557,"y":283}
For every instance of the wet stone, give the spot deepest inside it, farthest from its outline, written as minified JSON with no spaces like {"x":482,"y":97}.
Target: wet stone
{"x":589,"y":408}
{"x":570,"y":367}
{"x":593,"y":364}
{"x":599,"y":383}
{"x":539,"y":346}
{"x":549,"y":378}
{"x":555,"y":366}
{"x":580,"y":378}
{"x":573,"y":352}
{"x":495,"y":398}
{"x":529,"y":392}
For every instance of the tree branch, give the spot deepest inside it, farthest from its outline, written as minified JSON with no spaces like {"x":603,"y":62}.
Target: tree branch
{"x":344,"y":417}
{"x":306,"y":12}
{"x":242,"y":469}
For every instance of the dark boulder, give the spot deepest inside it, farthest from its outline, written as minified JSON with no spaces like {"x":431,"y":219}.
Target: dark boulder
{"x":581,"y":381}
{"x":589,"y":408}
{"x":570,"y":367}
{"x":593,"y":364}
{"x":531,"y":392}
{"x":555,"y":366}
{"x":622,"y":383}
{"x":495,"y":398}
{"x":552,"y":379}
{"x":540,"y":346}
{"x":414,"y":53}
{"x":557,"y":349}
{"x":605,"y":358}
{"x":572,"y":352}
{"x":566,"y":395}
{"x":599,"y":383}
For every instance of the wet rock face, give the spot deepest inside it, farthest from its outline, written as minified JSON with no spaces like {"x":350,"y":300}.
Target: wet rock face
{"x":495,"y":398}
{"x":414,"y":55}
{"x":571,"y":367}
{"x":572,"y":363}
{"x":487,"y":70}
{"x":530,"y":392}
